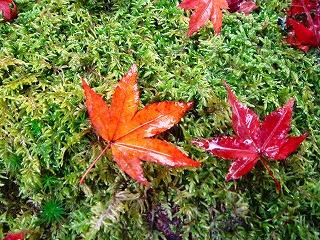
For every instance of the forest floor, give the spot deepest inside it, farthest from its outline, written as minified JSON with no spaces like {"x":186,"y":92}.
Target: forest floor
{"x":46,"y":140}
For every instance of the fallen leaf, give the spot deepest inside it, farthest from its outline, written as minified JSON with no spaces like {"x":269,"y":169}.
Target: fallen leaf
{"x":128,"y":131}
{"x":253,"y":140}
{"x":15,"y":236}
{"x":303,"y":22}
{"x":243,"y":6}
{"x":302,"y":6}
{"x":205,"y":10}
{"x":8,"y":9}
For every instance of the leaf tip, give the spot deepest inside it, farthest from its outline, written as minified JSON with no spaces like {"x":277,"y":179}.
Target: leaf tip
{"x":131,"y":76}
{"x":189,"y":104}
{"x":84,"y":83}
{"x":197,"y":142}
{"x":228,"y":88}
{"x":231,"y":96}
{"x":133,"y":68}
{"x":229,"y":177}
{"x":190,"y":33}
{"x":304,"y":136}
{"x":144,"y":182}
{"x":226,"y":85}
{"x":197,"y":164}
{"x":290,"y":102}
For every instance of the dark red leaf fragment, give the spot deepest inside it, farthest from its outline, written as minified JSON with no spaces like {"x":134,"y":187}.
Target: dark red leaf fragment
{"x":244,"y":6}
{"x":8,"y":9}
{"x":303,"y":22}
{"x":15,"y":236}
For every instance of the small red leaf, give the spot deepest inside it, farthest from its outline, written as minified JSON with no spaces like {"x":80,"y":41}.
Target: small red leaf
{"x":244,"y":6}
{"x":8,"y":9}
{"x":205,"y":10}
{"x":15,"y":236}
{"x":253,"y":140}
{"x":127,"y":131}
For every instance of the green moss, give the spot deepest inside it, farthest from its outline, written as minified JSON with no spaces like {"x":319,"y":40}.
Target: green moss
{"x":46,"y":141}
{"x":52,"y":211}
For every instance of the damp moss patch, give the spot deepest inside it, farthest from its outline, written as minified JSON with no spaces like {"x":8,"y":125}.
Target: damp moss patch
{"x":46,"y":141}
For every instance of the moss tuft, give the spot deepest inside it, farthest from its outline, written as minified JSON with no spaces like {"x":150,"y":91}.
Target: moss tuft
{"x":46,"y":141}
{"x":52,"y":211}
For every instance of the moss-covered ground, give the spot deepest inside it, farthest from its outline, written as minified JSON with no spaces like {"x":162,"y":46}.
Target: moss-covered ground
{"x":46,"y":141}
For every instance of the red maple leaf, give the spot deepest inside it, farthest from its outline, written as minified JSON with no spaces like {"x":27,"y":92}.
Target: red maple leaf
{"x":8,"y":9}
{"x":303,"y":22}
{"x":205,"y":10}
{"x":243,"y":6}
{"x":128,"y":131}
{"x":15,"y":236}
{"x":254,"y":140}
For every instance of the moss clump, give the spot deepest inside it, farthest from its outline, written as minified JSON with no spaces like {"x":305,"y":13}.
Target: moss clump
{"x":52,"y":211}
{"x":46,"y":141}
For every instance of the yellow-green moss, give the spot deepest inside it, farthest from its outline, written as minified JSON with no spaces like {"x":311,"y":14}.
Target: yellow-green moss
{"x":46,"y":141}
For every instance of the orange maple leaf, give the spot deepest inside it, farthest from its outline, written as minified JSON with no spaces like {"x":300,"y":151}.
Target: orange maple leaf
{"x":128,"y":131}
{"x":205,"y":10}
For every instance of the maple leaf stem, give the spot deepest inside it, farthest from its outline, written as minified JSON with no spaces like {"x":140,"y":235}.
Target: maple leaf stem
{"x":94,"y":163}
{"x":265,"y":164}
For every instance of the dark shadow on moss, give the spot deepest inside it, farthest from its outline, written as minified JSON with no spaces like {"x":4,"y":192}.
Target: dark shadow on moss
{"x":97,"y":6}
